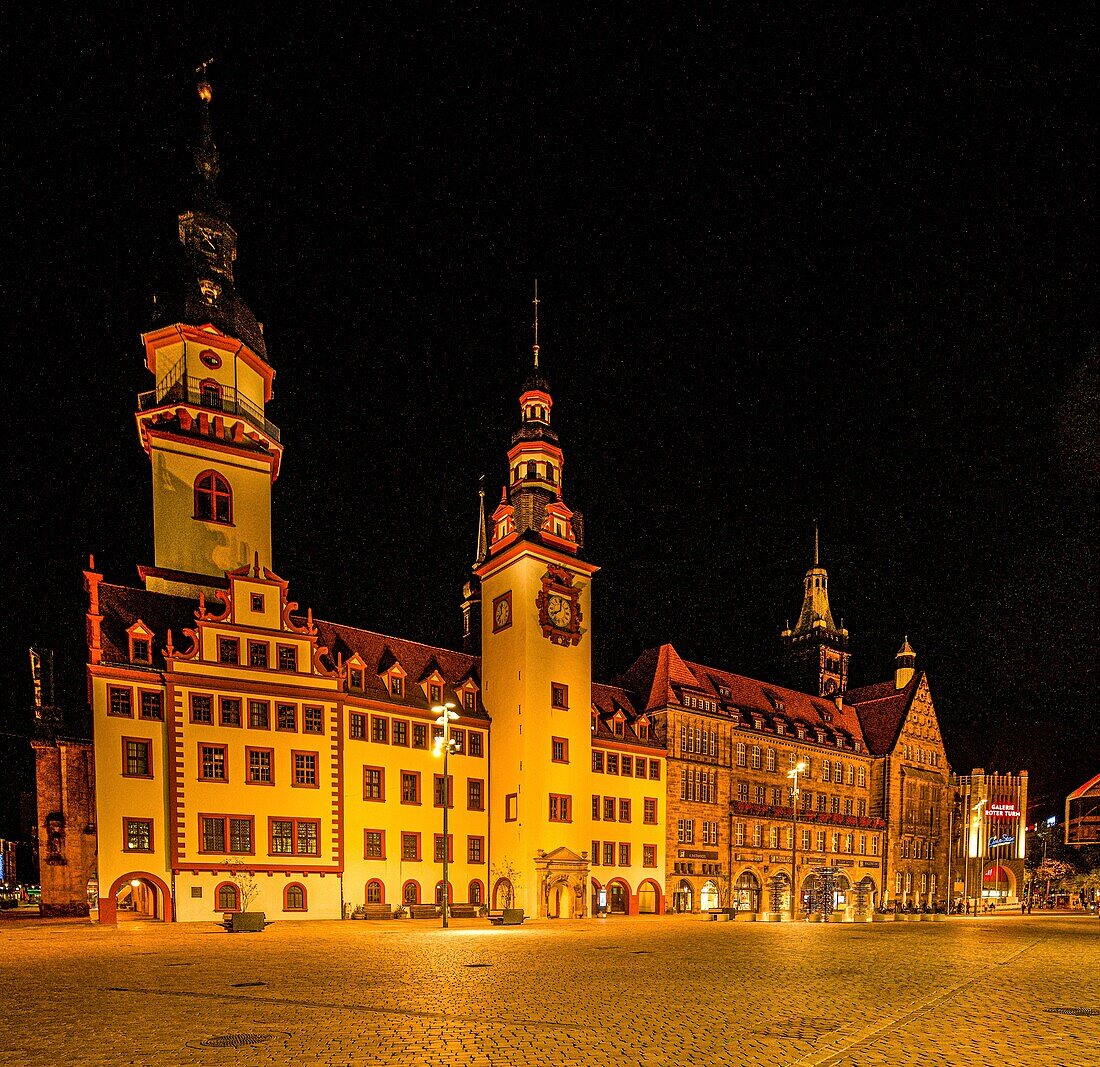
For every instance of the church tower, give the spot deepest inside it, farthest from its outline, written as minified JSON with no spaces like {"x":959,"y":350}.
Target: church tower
{"x":213,"y":452}
{"x":536,"y":665}
{"x":817,"y":651}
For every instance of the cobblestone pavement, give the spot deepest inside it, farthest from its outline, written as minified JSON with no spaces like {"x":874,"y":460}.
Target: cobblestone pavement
{"x":658,"y":992}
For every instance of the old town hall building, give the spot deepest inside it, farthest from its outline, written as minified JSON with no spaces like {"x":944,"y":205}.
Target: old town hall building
{"x":242,"y":742}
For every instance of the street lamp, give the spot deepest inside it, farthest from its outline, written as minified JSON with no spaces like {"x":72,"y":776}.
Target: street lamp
{"x":793,"y":774}
{"x":443,"y":744}
{"x":976,"y":824}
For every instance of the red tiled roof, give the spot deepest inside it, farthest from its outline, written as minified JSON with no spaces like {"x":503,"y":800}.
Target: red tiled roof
{"x":121,"y":606}
{"x":661,"y":672}
{"x":607,"y":699}
{"x":379,"y":652}
{"x":882,"y":709}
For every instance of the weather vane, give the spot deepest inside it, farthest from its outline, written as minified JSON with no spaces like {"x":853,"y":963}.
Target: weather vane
{"x":536,"y":303}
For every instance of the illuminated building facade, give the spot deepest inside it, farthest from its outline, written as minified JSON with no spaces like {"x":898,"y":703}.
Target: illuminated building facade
{"x":988,"y":858}
{"x":1083,"y":814}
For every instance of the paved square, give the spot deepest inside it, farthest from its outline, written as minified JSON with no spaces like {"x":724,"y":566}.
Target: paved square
{"x":657,"y":992}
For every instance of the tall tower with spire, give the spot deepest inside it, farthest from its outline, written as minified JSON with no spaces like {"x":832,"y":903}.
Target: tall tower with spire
{"x":816,"y":649}
{"x":471,"y":591}
{"x":214,"y":453}
{"x":536,"y":658}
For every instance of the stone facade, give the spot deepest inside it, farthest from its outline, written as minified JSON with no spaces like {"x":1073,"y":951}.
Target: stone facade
{"x":65,"y":773}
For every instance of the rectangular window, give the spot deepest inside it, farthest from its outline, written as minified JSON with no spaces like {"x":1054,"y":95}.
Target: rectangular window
{"x":443,"y":790}
{"x":739,"y":834}
{"x":379,"y":730}
{"x":286,"y":717}
{"x":288,"y":658}
{"x":374,"y":844}
{"x":655,"y":770}
{"x":410,"y":846}
{"x":624,"y":810}
{"x":804,"y":844}
{"x":137,"y":758}
{"x":862,"y":777}
{"x":420,"y":735}
{"x":282,"y":837}
{"x":627,"y":767}
{"x":257,"y":653}
{"x":240,"y":836}
{"x":138,"y":834}
{"x":835,"y":805}
{"x":226,"y":833}
{"x":435,"y":694}
{"x":609,"y":808}
{"x":612,"y":763}
{"x":475,"y":794}
{"x":560,"y":808}
{"x":861,"y":808}
{"x":836,"y":842}
{"x":202,"y":708}
{"x":597,"y":761}
{"x":595,"y":853}
{"x":874,"y":845}
{"x":863,"y":844}
{"x":848,"y":806}
{"x":397,"y":686}
{"x":212,"y":763}
{"x":139,"y":650}
{"x":469,"y":700}
{"x":770,"y":762}
{"x":511,"y":807}
{"x":357,"y":726}
{"x":374,"y":781}
{"x":820,"y":841}
{"x":774,"y":837}
{"x":596,"y":808}
{"x":308,"y":837}
{"x":410,"y":787}
{"x":624,"y":855}
{"x":400,"y":734}
{"x":649,"y":811}
{"x":213,"y":834}
{"x":355,"y":678}
{"x":742,"y":754}
{"x":757,"y":835}
{"x":559,"y":696}
{"x":559,"y":750}
{"x":609,"y":853}
{"x":438,"y":848}
{"x":305,"y":769}
{"x":475,"y":849}
{"x":257,"y":602}
{"x":152,"y":705}
{"x":259,"y":765}
{"x":313,"y":720}
{"x":475,"y":745}
{"x":229,"y":711}
{"x":259,"y":715}
{"x":295,"y":837}
{"x":743,"y":792}
{"x":649,"y":855}
{"x":229,"y":650}
{"x":458,"y":741}
{"x":761,"y":797}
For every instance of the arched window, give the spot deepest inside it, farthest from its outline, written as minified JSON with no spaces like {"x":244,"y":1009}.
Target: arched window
{"x":227,"y":897}
{"x":476,"y":892}
{"x":439,"y":893}
{"x":213,"y":498}
{"x":532,"y":469}
{"x":410,"y":894}
{"x":294,"y":897}
{"x":375,"y":892}
{"x":210,"y":394}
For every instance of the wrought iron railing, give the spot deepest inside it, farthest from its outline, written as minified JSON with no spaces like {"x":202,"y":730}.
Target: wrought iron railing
{"x":179,"y":388}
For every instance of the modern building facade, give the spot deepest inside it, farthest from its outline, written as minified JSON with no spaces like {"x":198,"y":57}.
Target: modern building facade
{"x":1083,"y":814}
{"x":990,"y":845}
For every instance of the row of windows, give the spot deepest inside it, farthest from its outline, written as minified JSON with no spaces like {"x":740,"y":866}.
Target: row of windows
{"x":921,"y":755}
{"x":385,"y":731}
{"x":685,"y":831}
{"x":698,"y":785}
{"x":758,"y":758}
{"x":235,"y":835}
{"x":903,"y":882}
{"x":801,"y":731}
{"x":783,"y":837}
{"x":288,"y":717}
{"x":627,"y":766}
{"x":780,"y":797}
{"x":120,"y":702}
{"x":374,"y":847}
{"x":605,"y":853}
{"x":374,"y":788}
{"x":394,"y":681}
{"x":258,"y":652}
{"x":916,"y":850}
{"x":608,"y":810}
{"x":213,"y":764}
{"x":410,"y":892}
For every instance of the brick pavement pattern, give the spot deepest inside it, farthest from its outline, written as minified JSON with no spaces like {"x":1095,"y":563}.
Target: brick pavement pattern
{"x":639,"y":992}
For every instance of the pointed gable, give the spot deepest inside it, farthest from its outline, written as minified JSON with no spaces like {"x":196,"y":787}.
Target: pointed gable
{"x":654,"y":674}
{"x":882,"y":710}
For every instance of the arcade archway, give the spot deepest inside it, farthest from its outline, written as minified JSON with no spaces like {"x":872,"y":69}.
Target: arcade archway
{"x":137,"y":895}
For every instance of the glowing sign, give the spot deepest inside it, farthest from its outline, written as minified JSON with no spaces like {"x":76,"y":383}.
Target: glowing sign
{"x":1008,"y":839}
{"x":1002,"y":811}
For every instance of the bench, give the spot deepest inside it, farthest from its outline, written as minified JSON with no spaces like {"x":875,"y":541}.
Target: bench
{"x":373,"y":911}
{"x":463,"y":911}
{"x":244,"y":922}
{"x":508,"y":917}
{"x":425,"y":911}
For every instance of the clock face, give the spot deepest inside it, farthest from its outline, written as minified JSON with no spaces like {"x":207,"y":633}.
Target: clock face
{"x":502,"y":612}
{"x":559,"y":610}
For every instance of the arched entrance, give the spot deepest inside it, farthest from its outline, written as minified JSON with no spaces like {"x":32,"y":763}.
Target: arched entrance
{"x":746,"y":892}
{"x":599,"y":897}
{"x":708,"y":896}
{"x":842,"y":889}
{"x":649,"y":898}
{"x":779,"y":894}
{"x":137,"y":895}
{"x":503,"y":894}
{"x":998,"y":884}
{"x":561,"y":901}
{"x":618,"y":897}
{"x":806,"y":894}
{"x":683,"y":897}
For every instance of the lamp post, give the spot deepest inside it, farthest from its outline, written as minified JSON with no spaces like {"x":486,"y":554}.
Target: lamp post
{"x":980,"y":835}
{"x":446,"y":715}
{"x":793,"y":774}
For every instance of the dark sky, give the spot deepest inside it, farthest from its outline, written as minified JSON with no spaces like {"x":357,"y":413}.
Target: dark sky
{"x":793,"y":265}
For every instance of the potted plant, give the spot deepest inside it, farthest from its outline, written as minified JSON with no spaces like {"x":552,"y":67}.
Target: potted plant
{"x":244,"y":920}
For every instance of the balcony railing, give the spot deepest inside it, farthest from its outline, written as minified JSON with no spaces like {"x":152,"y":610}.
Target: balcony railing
{"x":184,"y":389}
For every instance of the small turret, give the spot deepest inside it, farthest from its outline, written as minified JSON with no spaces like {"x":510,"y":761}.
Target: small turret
{"x":906,"y":665}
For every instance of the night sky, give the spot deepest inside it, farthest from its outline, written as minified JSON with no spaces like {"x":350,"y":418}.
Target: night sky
{"x":793,"y":266}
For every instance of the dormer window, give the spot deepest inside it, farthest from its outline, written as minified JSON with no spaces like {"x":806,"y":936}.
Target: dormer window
{"x":141,"y":643}
{"x":618,"y":724}
{"x":355,"y":678}
{"x":643,"y":729}
{"x":802,"y":732}
{"x":820,"y":736}
{"x":595,"y":720}
{"x":469,"y":700}
{"x":435,"y":694}
{"x":397,"y":687}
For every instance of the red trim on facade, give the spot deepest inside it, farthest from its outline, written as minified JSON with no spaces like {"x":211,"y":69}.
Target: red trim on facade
{"x":108,"y":910}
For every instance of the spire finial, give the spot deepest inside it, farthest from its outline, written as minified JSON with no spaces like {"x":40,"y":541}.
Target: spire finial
{"x":482,"y":526}
{"x":816,"y":560}
{"x":206,"y":152}
{"x":536,"y":344}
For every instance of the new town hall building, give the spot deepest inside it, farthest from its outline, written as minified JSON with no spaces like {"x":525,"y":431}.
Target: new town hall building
{"x":236,"y":733}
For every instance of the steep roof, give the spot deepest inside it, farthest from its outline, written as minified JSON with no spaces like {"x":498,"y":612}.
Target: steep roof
{"x":609,"y":699}
{"x":660,"y":676}
{"x":379,"y":652}
{"x":121,"y":606}
{"x":882,"y":709}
